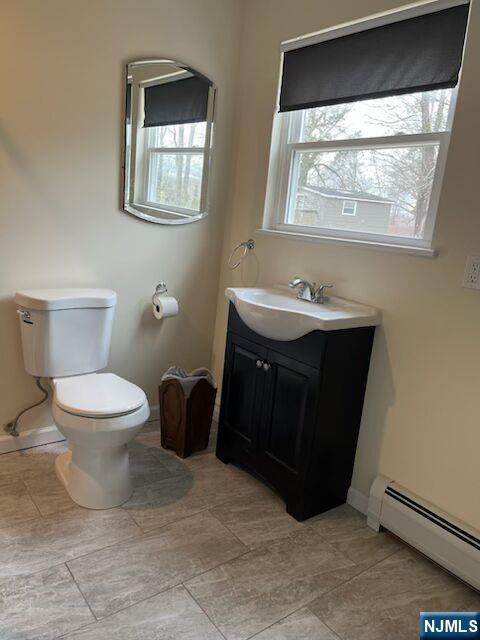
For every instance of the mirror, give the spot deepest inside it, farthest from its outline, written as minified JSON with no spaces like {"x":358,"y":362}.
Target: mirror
{"x":168,"y":142}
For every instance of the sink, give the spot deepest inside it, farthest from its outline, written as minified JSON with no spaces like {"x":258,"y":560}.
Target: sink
{"x":278,"y":314}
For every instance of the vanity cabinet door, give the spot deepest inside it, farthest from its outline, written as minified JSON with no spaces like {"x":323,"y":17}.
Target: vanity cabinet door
{"x":287,"y":426}
{"x":242,"y":394}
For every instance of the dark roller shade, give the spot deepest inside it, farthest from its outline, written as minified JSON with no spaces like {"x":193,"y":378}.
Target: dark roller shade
{"x":417,"y":54}
{"x":177,"y":102}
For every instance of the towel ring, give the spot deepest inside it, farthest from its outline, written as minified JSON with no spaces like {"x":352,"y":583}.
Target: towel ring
{"x":247,"y":246}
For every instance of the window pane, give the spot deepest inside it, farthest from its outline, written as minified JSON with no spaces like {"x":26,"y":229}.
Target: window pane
{"x":176,"y":179}
{"x":391,"y":189}
{"x":177,"y":135}
{"x":397,"y":115}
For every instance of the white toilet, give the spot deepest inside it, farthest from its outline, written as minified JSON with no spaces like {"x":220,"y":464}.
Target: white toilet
{"x":66,"y":337}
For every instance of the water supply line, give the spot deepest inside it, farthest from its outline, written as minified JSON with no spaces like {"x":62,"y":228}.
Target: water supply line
{"x":11,"y":427}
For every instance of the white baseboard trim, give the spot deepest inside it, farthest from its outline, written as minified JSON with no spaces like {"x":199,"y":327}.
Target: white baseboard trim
{"x":357,"y":500}
{"x":30,"y":438}
{"x":449,"y":542}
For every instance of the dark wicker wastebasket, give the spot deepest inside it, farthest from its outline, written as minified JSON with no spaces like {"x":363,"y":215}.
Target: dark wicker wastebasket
{"x":186,"y":421}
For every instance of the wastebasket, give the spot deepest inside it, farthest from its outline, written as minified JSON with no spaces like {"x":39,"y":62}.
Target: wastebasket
{"x":186,"y":403}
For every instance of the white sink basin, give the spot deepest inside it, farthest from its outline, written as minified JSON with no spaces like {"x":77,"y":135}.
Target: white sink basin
{"x":277,"y":314}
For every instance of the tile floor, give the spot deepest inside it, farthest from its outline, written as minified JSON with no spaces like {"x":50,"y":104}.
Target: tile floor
{"x":201,"y":551}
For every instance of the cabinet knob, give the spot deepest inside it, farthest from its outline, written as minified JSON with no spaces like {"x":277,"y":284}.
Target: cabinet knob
{"x":266,"y":366}
{"x":259,"y":364}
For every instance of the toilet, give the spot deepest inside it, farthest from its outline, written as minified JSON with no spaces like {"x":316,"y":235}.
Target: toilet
{"x":66,"y":337}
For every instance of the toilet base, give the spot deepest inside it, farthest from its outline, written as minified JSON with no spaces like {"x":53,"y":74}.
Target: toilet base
{"x":62,"y":463}
{"x":96,"y":472}
{"x":98,"y":479}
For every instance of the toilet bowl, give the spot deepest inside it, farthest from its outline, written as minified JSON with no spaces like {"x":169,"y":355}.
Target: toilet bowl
{"x":98,"y":414}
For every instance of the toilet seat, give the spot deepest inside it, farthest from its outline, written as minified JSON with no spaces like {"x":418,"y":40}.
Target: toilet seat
{"x":97,"y":395}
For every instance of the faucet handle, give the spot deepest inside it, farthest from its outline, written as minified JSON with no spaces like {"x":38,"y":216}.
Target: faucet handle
{"x":319,"y":295}
{"x":295,"y":281}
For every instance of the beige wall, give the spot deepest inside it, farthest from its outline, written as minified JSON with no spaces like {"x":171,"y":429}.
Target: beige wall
{"x":60,"y":131}
{"x":421,"y":423}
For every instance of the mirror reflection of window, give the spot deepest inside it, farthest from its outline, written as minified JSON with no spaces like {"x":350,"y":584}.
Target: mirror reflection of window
{"x":174,"y":156}
{"x":167,"y":142}
{"x":128,"y":137}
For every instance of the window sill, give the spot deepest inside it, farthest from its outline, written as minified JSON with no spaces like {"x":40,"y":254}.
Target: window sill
{"x":423,"y":252}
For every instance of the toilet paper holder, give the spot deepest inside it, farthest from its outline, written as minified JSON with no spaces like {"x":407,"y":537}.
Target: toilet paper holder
{"x":160,"y":289}
{"x":163,"y":306}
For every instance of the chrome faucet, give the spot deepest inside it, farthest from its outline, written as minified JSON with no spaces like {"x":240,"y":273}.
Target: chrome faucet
{"x":308,"y":291}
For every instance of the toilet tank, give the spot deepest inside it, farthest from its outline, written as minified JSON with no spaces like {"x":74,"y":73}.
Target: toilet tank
{"x":65,"y":332}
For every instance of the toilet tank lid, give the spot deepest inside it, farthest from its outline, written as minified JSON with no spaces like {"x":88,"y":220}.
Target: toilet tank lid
{"x":54,"y":299}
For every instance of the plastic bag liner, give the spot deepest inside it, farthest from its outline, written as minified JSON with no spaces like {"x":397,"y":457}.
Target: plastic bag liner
{"x":188,"y":380}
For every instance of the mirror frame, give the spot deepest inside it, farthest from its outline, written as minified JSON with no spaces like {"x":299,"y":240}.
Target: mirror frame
{"x":148,"y":213}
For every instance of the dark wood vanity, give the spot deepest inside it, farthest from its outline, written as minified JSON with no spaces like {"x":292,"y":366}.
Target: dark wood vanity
{"x":291,"y":411}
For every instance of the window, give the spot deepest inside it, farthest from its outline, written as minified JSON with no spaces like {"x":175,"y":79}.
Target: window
{"x":386,"y":154}
{"x":381,"y":153}
{"x":349,"y":208}
{"x":366,"y":168}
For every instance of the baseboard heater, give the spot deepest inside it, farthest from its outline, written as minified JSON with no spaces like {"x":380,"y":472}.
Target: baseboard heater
{"x":447,"y":541}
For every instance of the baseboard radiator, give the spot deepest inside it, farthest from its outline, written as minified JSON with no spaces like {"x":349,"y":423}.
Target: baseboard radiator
{"x":447,"y":541}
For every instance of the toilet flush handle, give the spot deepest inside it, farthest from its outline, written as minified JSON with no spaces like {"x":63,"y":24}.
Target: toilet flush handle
{"x":25,"y":314}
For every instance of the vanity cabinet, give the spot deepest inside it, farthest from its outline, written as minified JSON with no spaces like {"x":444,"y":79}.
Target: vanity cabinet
{"x":291,"y":411}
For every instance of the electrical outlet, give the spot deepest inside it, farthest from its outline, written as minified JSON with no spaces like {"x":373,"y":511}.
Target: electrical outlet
{"x":471,"y":278}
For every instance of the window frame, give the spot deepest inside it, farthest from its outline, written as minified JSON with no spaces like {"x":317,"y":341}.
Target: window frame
{"x":282,"y":169}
